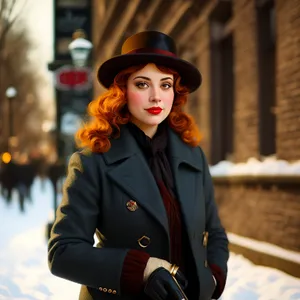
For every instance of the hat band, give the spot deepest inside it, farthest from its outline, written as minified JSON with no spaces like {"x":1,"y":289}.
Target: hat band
{"x":152,"y":50}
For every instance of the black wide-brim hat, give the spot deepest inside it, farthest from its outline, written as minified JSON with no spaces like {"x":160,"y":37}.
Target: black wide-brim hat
{"x":149,"y":47}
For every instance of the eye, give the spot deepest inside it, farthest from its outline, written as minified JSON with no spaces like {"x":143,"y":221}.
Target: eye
{"x":166,"y":85}
{"x":141,"y":85}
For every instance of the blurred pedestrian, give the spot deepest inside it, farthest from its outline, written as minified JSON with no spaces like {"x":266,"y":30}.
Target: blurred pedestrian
{"x":143,"y":185}
{"x":8,"y":180}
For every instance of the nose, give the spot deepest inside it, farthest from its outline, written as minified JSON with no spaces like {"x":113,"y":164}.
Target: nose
{"x":154,"y":96}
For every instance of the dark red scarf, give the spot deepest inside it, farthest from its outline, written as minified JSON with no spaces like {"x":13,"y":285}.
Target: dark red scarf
{"x":155,"y":150}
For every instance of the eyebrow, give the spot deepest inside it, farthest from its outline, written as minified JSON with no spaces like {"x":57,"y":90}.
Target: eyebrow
{"x":147,"y":78}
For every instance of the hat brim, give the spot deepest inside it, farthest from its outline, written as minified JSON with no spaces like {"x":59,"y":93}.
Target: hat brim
{"x":191,"y":77}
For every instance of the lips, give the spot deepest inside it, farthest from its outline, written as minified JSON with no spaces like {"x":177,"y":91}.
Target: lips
{"x":154,"y":110}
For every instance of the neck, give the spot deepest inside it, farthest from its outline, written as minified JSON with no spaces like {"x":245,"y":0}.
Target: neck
{"x":149,"y":130}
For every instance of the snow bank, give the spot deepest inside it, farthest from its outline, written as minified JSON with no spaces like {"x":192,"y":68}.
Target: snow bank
{"x":269,"y":166}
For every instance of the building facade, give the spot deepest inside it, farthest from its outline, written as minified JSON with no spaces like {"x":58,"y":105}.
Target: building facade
{"x":248,"y":54}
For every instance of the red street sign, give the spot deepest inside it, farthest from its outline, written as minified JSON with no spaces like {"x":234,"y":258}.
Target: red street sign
{"x":69,"y":77}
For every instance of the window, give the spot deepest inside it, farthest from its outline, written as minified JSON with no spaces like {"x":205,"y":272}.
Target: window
{"x":267,"y":87}
{"x":222,"y":83}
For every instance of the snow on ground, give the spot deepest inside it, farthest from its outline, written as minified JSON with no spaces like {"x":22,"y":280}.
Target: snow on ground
{"x":24,"y":273}
{"x":269,"y":166}
{"x":264,"y":247}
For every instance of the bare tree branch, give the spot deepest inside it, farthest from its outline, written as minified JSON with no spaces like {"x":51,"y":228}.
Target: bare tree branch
{"x":2,"y":9}
{"x":17,"y":71}
{"x":5,"y":18}
{"x":10,"y":9}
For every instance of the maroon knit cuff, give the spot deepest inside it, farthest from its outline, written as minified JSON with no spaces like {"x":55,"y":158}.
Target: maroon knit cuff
{"x":133,"y":272}
{"x":221,"y":280}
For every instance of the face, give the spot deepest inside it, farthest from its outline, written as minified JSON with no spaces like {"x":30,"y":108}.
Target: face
{"x":150,"y":97}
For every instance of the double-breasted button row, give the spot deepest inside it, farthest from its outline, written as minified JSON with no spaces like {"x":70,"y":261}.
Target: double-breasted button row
{"x":105,"y":290}
{"x":204,"y":243}
{"x":143,"y":241}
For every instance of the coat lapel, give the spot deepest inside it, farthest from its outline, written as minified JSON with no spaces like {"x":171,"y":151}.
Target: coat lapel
{"x":130,"y":171}
{"x":185,"y":163}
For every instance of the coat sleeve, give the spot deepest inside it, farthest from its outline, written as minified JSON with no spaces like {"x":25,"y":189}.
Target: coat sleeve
{"x":217,"y":247}
{"x":71,"y":254}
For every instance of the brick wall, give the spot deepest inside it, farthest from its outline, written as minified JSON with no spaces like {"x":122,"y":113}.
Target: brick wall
{"x":288,"y":79}
{"x":203,"y":94}
{"x":199,"y":102}
{"x":246,"y":113}
{"x":269,"y":214}
{"x":246,"y":85}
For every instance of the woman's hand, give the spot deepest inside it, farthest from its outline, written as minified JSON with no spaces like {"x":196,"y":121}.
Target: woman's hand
{"x":161,"y":285}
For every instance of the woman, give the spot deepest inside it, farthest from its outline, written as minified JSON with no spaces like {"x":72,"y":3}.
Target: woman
{"x":143,"y":185}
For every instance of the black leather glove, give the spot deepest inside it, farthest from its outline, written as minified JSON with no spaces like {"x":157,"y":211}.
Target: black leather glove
{"x":161,"y":285}
{"x":180,"y":278}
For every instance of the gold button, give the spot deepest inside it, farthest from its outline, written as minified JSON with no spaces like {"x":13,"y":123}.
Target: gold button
{"x":131,"y":205}
{"x":144,"y":241}
{"x":114,"y":292}
{"x":205,"y":263}
{"x":105,"y":290}
{"x":205,"y":238}
{"x":110,"y":290}
{"x":100,"y":289}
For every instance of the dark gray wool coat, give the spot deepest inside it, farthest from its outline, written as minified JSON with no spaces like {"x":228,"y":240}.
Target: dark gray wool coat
{"x":96,"y":194}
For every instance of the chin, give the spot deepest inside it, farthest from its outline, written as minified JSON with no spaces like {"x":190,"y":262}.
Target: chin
{"x":154,"y":122}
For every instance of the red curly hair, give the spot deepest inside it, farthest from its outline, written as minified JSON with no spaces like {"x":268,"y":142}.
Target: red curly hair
{"x":109,"y":111}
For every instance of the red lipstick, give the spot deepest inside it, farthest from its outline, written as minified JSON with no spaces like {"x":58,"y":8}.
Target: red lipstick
{"x":154,"y":110}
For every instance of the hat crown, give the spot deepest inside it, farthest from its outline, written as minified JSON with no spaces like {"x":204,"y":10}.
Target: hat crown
{"x":149,"y":40}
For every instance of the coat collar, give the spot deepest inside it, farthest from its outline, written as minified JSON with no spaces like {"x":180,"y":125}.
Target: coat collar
{"x":122,"y":147}
{"x":126,"y":146}
{"x":182,"y":152}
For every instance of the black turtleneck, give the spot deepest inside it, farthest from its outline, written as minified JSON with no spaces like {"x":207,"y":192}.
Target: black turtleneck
{"x":155,"y":153}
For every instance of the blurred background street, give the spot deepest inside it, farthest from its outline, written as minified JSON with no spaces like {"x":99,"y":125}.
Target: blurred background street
{"x":248,"y":110}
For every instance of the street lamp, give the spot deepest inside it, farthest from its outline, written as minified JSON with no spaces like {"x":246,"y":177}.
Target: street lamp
{"x":80,"y":49}
{"x":10,"y":93}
